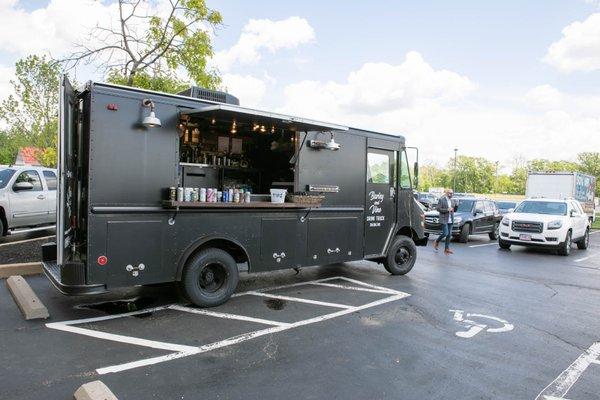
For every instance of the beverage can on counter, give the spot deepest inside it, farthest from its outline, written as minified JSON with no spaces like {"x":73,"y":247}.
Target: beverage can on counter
{"x":225,"y":195}
{"x":236,"y":196}
{"x":230,"y":195}
{"x":179,"y":194}
{"x":172,"y":193}
{"x":219,"y":196}
{"x":187,"y":194}
{"x":209,"y":195}
{"x":195,"y":194}
{"x":202,"y":197}
{"x":247,"y":197}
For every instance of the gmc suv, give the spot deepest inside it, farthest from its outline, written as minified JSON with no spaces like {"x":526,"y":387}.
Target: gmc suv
{"x":546,"y":223}
{"x":27,"y":198}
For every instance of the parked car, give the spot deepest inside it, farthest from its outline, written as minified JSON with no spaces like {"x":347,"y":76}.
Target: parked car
{"x":506,"y":206}
{"x":471,"y":216}
{"x":428,"y":200}
{"x":27,"y":198}
{"x":546,"y":223}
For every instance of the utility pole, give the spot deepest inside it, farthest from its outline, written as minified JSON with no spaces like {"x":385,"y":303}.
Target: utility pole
{"x":454,"y":182}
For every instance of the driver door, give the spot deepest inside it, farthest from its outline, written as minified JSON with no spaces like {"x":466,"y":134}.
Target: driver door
{"x":28,"y":207}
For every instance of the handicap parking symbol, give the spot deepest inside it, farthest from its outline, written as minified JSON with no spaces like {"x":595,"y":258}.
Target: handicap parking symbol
{"x":473,"y":328}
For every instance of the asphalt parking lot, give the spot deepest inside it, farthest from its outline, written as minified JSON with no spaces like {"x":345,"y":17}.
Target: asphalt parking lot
{"x":481,"y":324}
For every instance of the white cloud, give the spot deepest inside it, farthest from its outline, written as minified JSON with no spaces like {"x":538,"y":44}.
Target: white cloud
{"x":439,"y":110}
{"x":379,"y":88}
{"x":579,"y":47}
{"x":544,"y":97}
{"x":51,"y":29}
{"x":264,"y":34}
{"x":249,"y":89}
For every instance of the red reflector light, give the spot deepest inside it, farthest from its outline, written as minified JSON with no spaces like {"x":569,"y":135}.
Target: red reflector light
{"x":102,"y":260}
{"x":112,"y":107}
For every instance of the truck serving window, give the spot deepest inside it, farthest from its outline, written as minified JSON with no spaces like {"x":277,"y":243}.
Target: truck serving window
{"x":378,"y":168}
{"x":5,"y":175}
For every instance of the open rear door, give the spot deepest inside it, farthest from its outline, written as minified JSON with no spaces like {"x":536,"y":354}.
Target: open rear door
{"x":67,"y":131}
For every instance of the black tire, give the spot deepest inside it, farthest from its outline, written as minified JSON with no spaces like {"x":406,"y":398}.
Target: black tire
{"x":503,"y":245}
{"x":585,"y":241}
{"x":1,"y":227}
{"x":564,"y":249}
{"x":209,"y":278}
{"x":401,"y":256}
{"x":463,"y":237}
{"x":495,"y":233}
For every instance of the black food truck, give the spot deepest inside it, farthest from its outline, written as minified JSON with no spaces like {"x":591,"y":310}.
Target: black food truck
{"x":157,"y":188}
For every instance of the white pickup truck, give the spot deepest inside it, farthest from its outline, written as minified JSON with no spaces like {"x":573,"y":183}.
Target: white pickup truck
{"x":27,"y":198}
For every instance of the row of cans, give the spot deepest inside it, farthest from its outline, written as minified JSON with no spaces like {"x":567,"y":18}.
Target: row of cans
{"x":209,"y":195}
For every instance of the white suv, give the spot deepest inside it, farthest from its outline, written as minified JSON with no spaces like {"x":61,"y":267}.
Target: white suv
{"x":546,"y":223}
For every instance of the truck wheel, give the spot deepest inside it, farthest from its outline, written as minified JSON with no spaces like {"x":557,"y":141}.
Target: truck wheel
{"x":210,"y":278}
{"x":464,"y":233}
{"x":585,"y":241}
{"x":401,"y":256}
{"x":495,"y":233}
{"x":1,"y":227}
{"x":565,"y":248}
{"x":503,"y":245}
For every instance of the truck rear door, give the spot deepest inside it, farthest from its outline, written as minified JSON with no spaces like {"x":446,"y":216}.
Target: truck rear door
{"x":66,"y":168}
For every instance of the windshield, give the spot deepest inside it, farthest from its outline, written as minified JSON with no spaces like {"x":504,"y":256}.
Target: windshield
{"x":5,"y":175}
{"x":465,"y":205}
{"x":542,"y":207}
{"x":505,"y":205}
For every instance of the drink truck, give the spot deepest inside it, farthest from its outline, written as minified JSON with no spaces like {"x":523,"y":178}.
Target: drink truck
{"x":564,"y":185}
{"x":156,"y":188}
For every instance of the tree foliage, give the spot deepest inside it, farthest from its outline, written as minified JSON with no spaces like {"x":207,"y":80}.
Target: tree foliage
{"x":144,"y":49}
{"x":30,"y":114}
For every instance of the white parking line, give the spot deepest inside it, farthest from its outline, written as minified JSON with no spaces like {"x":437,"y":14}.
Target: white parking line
{"x":202,"y":311}
{"x":587,"y":258}
{"x":299,"y":300}
{"x":181,"y":351}
{"x":333,"y":285}
{"x":244,"y":337}
{"x":561,"y":385}
{"x":594,"y":232}
{"x":485,"y":244}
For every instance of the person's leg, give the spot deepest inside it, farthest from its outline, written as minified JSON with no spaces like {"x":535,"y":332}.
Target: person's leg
{"x":448,"y":235}
{"x":440,"y":237}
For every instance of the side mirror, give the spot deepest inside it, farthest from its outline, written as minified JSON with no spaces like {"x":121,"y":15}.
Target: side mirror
{"x":20,"y":186}
{"x":572,"y":213}
{"x":478,"y":211}
{"x":416,"y":173}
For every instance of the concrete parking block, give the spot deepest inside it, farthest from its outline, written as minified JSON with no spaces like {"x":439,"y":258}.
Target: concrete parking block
{"x":27,"y":301}
{"x":95,"y":390}
{"x":32,"y":268}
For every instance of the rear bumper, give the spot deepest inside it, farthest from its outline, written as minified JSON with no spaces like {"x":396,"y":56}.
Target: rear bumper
{"x":53,"y":271}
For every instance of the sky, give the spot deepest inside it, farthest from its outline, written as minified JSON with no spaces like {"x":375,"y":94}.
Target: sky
{"x":503,"y":80}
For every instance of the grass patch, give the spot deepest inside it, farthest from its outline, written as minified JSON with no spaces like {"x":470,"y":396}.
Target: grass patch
{"x":596,"y":225}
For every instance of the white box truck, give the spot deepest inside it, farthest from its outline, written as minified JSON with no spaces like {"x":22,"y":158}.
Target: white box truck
{"x":564,"y":185}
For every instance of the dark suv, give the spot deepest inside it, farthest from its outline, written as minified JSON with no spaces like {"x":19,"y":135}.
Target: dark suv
{"x":471,"y":216}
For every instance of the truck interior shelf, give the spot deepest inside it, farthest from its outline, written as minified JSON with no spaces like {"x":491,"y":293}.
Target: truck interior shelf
{"x":254,"y":204}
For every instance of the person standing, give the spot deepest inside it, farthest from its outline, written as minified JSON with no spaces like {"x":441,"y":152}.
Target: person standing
{"x":445,"y":208}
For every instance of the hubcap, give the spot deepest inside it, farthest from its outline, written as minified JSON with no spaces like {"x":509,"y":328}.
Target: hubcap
{"x":402,"y":256}
{"x":212,"y":277}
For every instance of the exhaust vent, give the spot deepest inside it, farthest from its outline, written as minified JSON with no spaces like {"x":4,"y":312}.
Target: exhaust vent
{"x":211,"y":95}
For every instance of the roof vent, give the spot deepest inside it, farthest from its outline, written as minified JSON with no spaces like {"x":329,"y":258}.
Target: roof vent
{"x":211,"y":95}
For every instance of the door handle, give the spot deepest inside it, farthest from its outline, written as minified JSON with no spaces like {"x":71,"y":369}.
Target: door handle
{"x":330,"y":251}
{"x":41,"y":197}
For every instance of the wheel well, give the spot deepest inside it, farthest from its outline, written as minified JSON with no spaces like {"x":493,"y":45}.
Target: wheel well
{"x":238,"y":253}
{"x":4,"y":222}
{"x":408,"y":231}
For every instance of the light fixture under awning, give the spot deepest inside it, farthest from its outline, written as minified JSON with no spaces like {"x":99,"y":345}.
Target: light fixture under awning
{"x":248,"y":116}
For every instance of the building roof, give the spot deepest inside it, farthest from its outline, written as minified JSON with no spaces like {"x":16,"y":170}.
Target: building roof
{"x":28,"y":156}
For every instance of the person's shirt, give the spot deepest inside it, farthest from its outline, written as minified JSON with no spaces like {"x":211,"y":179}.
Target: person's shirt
{"x":449,"y":203}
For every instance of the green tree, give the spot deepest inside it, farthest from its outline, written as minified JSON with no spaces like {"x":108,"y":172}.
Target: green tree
{"x":159,"y":82}
{"x":30,"y":114}
{"x":543,"y":165}
{"x":473,"y":174}
{"x":154,"y":47}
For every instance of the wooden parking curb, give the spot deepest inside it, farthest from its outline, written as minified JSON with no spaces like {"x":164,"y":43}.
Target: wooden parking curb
{"x":95,"y":390}
{"x":30,"y":305}
{"x":32,"y":268}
